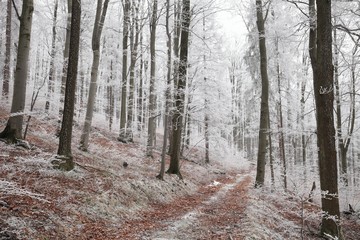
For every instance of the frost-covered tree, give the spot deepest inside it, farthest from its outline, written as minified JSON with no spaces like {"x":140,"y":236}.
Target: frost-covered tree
{"x":324,"y":100}
{"x":13,"y":130}
{"x":264,"y":111}
{"x":66,"y":161}
{"x":97,"y":31}
{"x":174,"y":167}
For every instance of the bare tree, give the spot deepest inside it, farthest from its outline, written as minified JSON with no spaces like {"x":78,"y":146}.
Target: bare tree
{"x":123,"y":135}
{"x":98,"y":27}
{"x":14,"y":126}
{"x":264,"y":112}
{"x":167,"y":92}
{"x":134,"y":45}
{"x":324,"y":99}
{"x":174,"y":167}
{"x":65,"y":61}
{"x":52,"y":59}
{"x":66,"y":161}
{"x":6,"y":71}
{"x":152,"y":94}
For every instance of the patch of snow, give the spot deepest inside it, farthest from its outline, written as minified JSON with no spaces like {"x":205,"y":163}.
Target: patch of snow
{"x":11,"y":188}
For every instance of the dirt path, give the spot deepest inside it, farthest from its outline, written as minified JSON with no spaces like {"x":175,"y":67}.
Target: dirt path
{"x":214,"y":213}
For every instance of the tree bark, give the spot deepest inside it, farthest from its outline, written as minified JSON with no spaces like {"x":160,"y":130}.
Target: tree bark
{"x":123,"y":137}
{"x":152,"y":96}
{"x":110,"y":96}
{"x":167,"y":92}
{"x":140,"y":101}
{"x":134,"y":44}
{"x":280,"y":120}
{"x":65,"y":62}
{"x":324,"y":98}
{"x":98,"y":27}
{"x":264,"y":112}
{"x":66,"y":161}
{"x":50,"y":89}
{"x":6,"y":70}
{"x":174,"y":167}
{"x":176,"y":41}
{"x":14,"y":126}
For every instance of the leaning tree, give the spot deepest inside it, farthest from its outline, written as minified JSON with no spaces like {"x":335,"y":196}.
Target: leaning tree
{"x":13,"y":130}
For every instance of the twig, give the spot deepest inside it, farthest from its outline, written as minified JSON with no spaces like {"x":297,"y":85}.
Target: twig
{"x":16,"y":10}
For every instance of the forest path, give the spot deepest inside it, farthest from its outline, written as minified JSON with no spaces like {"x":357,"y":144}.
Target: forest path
{"x":215,"y":212}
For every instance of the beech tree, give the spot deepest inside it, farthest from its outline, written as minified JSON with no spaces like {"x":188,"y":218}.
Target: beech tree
{"x":6,"y":70}
{"x":167,"y":92}
{"x":134,"y":46}
{"x":52,"y":59}
{"x":321,"y":57}
{"x":65,"y":59}
{"x":180,"y":86}
{"x":98,"y":27}
{"x":13,"y":130}
{"x":264,"y":111}
{"x":65,"y":157}
{"x":152,"y":95}
{"x":124,"y":136}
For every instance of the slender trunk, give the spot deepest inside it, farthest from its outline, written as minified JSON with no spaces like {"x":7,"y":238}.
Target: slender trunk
{"x":176,"y":41}
{"x":14,"y":126}
{"x":207,"y":137}
{"x":302,"y":118}
{"x":272,"y":174}
{"x":65,"y":63}
{"x":152,"y":97}
{"x":50,"y":90}
{"x":206,"y":103}
{"x":264,"y":112}
{"x":110,"y":96}
{"x":341,"y":146}
{"x":174,"y":167}
{"x":167,"y":92}
{"x":66,"y":161}
{"x":98,"y":26}
{"x":6,"y":70}
{"x":280,"y":120}
{"x":134,"y":44}
{"x":123,"y":137}
{"x":140,"y":88}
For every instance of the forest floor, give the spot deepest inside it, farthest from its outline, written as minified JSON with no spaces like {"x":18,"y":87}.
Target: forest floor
{"x":102,"y":199}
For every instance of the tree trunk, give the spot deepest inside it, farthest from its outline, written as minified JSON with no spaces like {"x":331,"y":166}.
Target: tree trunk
{"x":176,"y":41}
{"x":140,"y":101}
{"x":167,"y":92}
{"x":50,"y":89}
{"x":174,"y":167}
{"x":110,"y":96}
{"x":264,"y":112}
{"x":123,"y":137}
{"x":271,"y":157}
{"x":324,"y":97}
{"x":152,"y":95}
{"x":134,"y":44}
{"x":6,"y":71}
{"x":207,"y":137}
{"x":66,"y":161}
{"x":66,"y":58}
{"x":302,"y":118}
{"x":280,"y":120}
{"x":206,"y":103}
{"x":98,"y":26}
{"x":14,"y":126}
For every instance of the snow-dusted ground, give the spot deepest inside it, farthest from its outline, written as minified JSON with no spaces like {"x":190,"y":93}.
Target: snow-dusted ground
{"x":183,"y":228}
